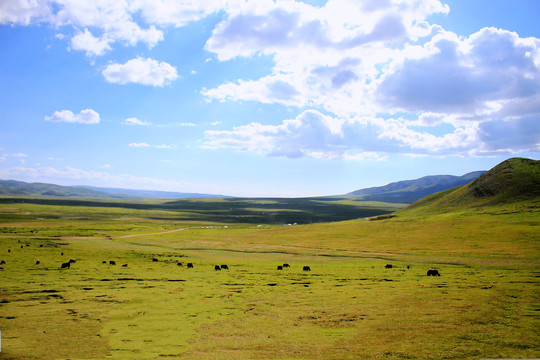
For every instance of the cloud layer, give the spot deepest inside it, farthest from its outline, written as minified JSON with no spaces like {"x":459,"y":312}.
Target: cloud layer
{"x":141,"y":71}
{"x":365,"y":77}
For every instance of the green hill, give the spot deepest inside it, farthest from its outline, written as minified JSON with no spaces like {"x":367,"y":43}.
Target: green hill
{"x":514,"y":181}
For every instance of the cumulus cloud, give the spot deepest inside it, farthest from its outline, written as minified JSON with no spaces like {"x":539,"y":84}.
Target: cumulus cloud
{"x":313,"y":134}
{"x":310,"y":134}
{"x":22,"y":11}
{"x":461,"y":76}
{"x":108,"y":22}
{"x":89,"y":43}
{"x":141,"y":71}
{"x":434,"y":93}
{"x":87,"y":116}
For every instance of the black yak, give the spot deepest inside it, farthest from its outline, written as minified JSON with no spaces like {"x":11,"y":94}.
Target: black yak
{"x":112,"y":262}
{"x":155,"y":260}
{"x":224,"y":267}
{"x":433,"y":273}
{"x":179,"y":263}
{"x":37,"y":262}
{"x":388,"y":266}
{"x":125,"y":265}
{"x":280,"y":267}
{"x":189,"y":265}
{"x":66,"y":265}
{"x":286,"y":265}
{"x":306,"y":268}
{"x":217,"y":268}
{"x":2,"y":262}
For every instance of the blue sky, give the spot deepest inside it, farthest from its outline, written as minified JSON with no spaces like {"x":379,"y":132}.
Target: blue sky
{"x":265,"y":98}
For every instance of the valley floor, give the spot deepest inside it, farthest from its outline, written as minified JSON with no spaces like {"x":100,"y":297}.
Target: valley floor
{"x":485,"y":304}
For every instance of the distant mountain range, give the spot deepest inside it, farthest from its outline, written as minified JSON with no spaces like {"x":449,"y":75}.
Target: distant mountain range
{"x":409,"y":191}
{"x":20,"y":188}
{"x":405,"y":192}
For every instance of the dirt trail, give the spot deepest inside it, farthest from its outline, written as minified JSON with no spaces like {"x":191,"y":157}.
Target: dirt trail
{"x":158,"y":233}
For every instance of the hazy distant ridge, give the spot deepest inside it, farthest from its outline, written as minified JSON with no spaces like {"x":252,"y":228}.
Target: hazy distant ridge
{"x":21,"y":188}
{"x":148,"y":194}
{"x":409,"y":191}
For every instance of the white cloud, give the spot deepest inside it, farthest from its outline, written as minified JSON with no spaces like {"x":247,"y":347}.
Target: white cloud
{"x":22,"y":11}
{"x":19,"y":155}
{"x":387,"y":77}
{"x":168,"y":147}
{"x":313,"y":134}
{"x":87,"y":116}
{"x":93,"y":46}
{"x":135,"y":121}
{"x":141,"y":71}
{"x":176,"y":13}
{"x":139,"y":145}
{"x":454,"y":95}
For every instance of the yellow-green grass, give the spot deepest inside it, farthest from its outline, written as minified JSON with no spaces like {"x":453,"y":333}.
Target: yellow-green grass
{"x":349,"y":306}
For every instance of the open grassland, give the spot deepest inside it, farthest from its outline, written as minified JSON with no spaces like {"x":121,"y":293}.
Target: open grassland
{"x":486,"y":304}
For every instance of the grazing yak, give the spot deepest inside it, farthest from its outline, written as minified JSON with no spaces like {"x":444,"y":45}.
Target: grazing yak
{"x":125,"y":265}
{"x":112,"y":262}
{"x":280,"y":267}
{"x":217,"y":268}
{"x":104,"y":262}
{"x":189,"y":265}
{"x":2,"y":262}
{"x":155,"y":260}
{"x":433,"y":273}
{"x":224,"y":267}
{"x":37,"y":262}
{"x":306,"y":268}
{"x":8,"y":250}
{"x":388,"y":266}
{"x":66,"y":265}
{"x":286,"y":265}
{"x":179,"y":263}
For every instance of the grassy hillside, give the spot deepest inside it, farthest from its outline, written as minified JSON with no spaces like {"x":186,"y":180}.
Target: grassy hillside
{"x":515,"y":182}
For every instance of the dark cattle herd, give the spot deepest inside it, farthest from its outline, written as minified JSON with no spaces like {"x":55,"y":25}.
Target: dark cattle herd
{"x":67,"y":265}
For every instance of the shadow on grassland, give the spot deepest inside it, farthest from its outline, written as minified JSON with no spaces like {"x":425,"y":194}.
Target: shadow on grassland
{"x":232,"y":210}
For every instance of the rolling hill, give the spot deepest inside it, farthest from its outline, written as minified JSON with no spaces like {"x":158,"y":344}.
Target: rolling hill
{"x":514,"y":181}
{"x":21,"y":188}
{"x":409,"y":191}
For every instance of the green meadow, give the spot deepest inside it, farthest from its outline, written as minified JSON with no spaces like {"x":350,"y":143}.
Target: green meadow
{"x":485,"y":304}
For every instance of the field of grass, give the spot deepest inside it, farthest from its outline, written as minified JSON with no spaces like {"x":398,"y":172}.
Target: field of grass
{"x":485,"y":304}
